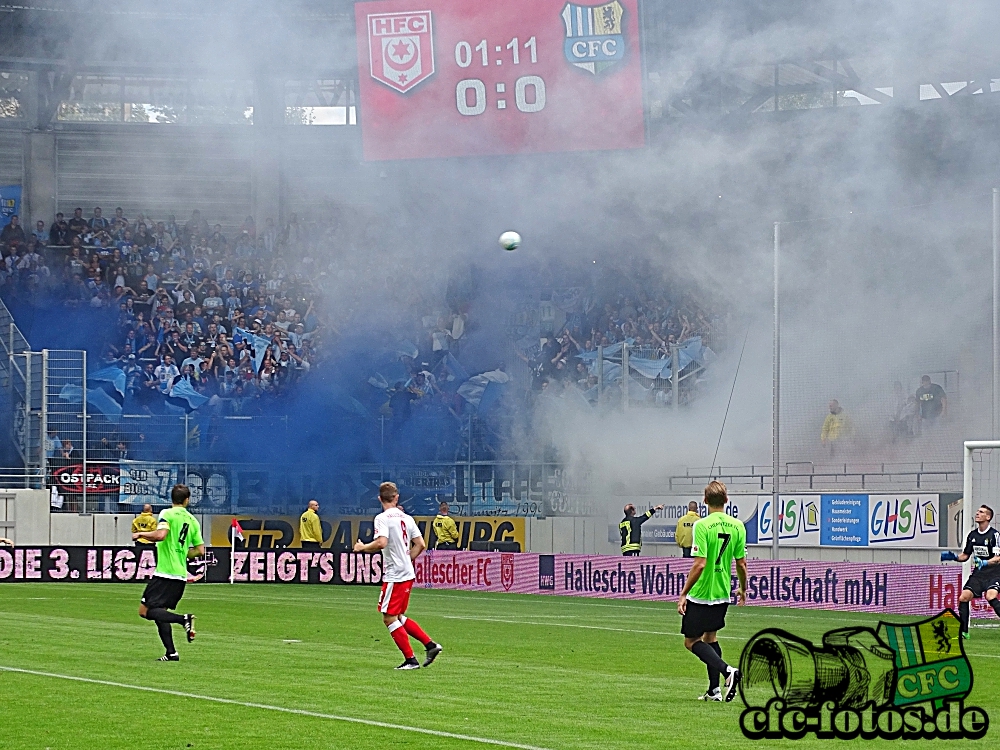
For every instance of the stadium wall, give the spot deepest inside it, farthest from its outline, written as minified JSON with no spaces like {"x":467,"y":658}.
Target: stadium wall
{"x":27,"y":512}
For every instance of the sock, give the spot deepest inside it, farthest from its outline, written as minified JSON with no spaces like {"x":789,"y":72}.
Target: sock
{"x":963,"y":616}
{"x":166,"y":636}
{"x":413,"y":629}
{"x":706,"y":653}
{"x":398,"y":633}
{"x":995,"y":603}
{"x":713,"y":675}
{"x":162,"y":615}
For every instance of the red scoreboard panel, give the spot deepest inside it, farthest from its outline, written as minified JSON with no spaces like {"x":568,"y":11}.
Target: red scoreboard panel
{"x":469,"y":77}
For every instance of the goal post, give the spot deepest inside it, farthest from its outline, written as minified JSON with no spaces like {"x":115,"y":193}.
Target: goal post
{"x":981,"y":485}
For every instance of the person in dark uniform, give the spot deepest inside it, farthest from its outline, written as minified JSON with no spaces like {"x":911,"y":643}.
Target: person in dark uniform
{"x":631,"y":529}
{"x":982,"y":545}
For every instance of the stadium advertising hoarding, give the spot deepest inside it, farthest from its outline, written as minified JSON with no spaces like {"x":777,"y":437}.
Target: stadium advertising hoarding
{"x":812,"y":520}
{"x":10,"y":204}
{"x":339,"y":534}
{"x":851,"y":520}
{"x":461,"y":77}
{"x":136,"y":565}
{"x":856,"y":587}
{"x":853,"y":587}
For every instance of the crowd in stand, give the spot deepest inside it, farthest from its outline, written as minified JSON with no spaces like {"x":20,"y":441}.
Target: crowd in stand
{"x":651,"y":325}
{"x":231,"y":317}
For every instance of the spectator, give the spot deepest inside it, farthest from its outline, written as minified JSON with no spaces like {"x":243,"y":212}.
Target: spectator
{"x":836,"y":428}
{"x":59,"y":232}
{"x":97,"y":221}
{"x":118,"y":222}
{"x":41,"y":236}
{"x":52,"y":442}
{"x":932,"y":399}
{"x":13,"y":233}
{"x":77,"y":224}
{"x":166,"y":373}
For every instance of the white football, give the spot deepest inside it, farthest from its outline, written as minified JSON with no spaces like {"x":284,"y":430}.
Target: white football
{"x":510,"y":240}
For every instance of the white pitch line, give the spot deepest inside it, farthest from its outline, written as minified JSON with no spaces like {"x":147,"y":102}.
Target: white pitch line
{"x":575,"y":625}
{"x":281,"y":709}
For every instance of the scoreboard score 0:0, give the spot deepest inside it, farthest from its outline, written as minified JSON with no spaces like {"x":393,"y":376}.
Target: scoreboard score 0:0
{"x":461,"y":77}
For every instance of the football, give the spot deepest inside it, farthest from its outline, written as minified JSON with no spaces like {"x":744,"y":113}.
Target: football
{"x":510,"y":240}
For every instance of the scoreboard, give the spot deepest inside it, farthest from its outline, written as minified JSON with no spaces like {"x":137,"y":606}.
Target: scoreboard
{"x":445,"y":78}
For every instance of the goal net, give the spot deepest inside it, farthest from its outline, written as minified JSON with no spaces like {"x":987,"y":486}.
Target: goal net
{"x":981,"y":487}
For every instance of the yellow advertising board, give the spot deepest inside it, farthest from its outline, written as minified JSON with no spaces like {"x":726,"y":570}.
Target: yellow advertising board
{"x":340,"y":533}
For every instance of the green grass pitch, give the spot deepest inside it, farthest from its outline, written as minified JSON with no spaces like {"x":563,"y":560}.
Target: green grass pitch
{"x":549,"y":672}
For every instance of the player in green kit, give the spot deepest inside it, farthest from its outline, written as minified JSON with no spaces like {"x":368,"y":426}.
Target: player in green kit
{"x":718,"y":540}
{"x":178,"y":539}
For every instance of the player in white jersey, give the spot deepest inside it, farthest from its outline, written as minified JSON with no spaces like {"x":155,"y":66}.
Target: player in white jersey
{"x":400,"y":540}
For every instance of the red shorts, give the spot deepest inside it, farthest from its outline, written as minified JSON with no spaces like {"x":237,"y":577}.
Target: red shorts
{"x":395,"y":597}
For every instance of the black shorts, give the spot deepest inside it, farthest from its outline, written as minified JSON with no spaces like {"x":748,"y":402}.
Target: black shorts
{"x":311,"y":545}
{"x":163,"y":593}
{"x":703,"y":618}
{"x":631,"y":553}
{"x":446,"y":546}
{"x":983,"y":580}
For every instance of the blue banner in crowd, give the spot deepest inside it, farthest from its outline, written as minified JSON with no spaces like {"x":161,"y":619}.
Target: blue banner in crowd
{"x":10,"y":203}
{"x":258,"y":343}
{"x":141,"y":482}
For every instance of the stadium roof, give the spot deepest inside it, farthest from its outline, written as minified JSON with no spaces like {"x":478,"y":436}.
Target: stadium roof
{"x":251,"y":37}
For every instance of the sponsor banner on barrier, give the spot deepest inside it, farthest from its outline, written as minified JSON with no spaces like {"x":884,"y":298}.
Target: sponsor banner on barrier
{"x":849,"y":587}
{"x":100,"y":477}
{"x":136,"y":565}
{"x":855,"y":587}
{"x":92,"y":564}
{"x":798,"y":520}
{"x":850,"y":520}
{"x":339,"y":534}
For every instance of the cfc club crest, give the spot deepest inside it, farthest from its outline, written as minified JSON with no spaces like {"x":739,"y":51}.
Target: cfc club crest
{"x":401,"y":49}
{"x":594,"y":38}
{"x":931,"y":664}
{"x":507,"y":570}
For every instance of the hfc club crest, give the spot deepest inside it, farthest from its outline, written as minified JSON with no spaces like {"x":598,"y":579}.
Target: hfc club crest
{"x":594,"y":37}
{"x":401,"y":48}
{"x":507,"y":570}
